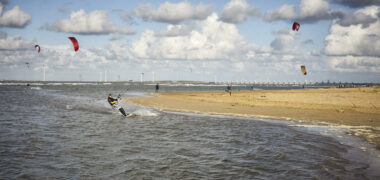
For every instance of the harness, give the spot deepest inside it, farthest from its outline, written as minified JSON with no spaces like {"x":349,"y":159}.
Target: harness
{"x":112,"y":101}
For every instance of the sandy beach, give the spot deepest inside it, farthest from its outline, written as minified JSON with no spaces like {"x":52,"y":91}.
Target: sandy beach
{"x":356,"y":107}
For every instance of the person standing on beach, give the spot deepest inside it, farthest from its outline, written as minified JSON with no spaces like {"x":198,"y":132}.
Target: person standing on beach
{"x":157,"y":87}
{"x":229,"y":89}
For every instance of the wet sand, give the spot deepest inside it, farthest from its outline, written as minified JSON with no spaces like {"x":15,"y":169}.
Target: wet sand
{"x":356,"y":107}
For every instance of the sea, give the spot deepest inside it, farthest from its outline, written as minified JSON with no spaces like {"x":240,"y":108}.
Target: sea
{"x":69,"y":131}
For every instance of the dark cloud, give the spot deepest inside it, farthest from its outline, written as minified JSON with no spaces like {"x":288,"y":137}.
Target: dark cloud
{"x":127,"y":17}
{"x":312,"y":11}
{"x":356,"y":3}
{"x":348,"y":19}
{"x":4,"y":2}
{"x":309,"y":41}
{"x":3,"y":35}
{"x":63,"y":10}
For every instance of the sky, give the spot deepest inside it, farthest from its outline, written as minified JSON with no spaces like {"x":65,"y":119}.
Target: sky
{"x":209,"y":40}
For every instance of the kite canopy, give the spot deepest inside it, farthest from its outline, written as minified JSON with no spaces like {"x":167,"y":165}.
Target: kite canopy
{"x":296,"y":26}
{"x":38,"y":48}
{"x":303,"y":69}
{"x":75,"y":43}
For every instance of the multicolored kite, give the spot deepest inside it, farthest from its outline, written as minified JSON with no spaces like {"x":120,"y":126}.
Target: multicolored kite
{"x":296,"y":26}
{"x":303,"y":69}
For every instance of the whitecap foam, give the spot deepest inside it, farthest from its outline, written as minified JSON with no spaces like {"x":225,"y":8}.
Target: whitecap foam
{"x":68,"y":107}
{"x":36,"y":88}
{"x":144,"y":112}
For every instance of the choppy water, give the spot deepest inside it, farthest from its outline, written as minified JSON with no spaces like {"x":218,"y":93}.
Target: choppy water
{"x":70,"y":132}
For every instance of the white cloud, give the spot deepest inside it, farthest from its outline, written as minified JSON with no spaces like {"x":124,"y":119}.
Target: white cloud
{"x":172,"y":12}
{"x":175,"y":30}
{"x":141,"y":48}
{"x":215,"y":40}
{"x":355,"y":48}
{"x":355,"y":64}
{"x":237,"y":11}
{"x":14,"y":43}
{"x":14,"y":18}
{"x":310,"y":11}
{"x":284,"y":40}
{"x":95,"y":22}
{"x":218,"y":47}
{"x":356,"y":40}
{"x":310,"y":8}
{"x":221,"y":48}
{"x":285,"y":12}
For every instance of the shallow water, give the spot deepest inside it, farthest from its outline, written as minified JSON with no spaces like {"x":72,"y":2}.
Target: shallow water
{"x":70,"y":132}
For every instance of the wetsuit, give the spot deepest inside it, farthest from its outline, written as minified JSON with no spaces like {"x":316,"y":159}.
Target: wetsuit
{"x":113,"y":102}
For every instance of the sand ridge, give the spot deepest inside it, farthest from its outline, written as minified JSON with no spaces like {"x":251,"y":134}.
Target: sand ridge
{"x":351,"y":106}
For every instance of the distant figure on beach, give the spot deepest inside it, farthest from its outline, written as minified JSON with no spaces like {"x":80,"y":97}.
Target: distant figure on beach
{"x":157,"y":87}
{"x":229,"y":89}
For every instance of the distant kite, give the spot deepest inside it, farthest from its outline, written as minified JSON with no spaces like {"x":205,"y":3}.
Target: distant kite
{"x":296,"y":26}
{"x":38,"y":48}
{"x":303,"y":69}
{"x":75,"y":43}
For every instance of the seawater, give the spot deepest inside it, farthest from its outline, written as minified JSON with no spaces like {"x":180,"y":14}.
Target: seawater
{"x":68,"y":131}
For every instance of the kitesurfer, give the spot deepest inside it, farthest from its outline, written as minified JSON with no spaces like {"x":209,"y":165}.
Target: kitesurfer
{"x":113,"y":102}
{"x":157,"y":87}
{"x":229,"y":90}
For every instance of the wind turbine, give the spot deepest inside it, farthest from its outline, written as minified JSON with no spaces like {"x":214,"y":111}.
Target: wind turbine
{"x":141,"y":77}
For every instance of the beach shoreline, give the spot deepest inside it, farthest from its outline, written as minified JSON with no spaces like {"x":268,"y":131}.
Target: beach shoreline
{"x":356,"y":107}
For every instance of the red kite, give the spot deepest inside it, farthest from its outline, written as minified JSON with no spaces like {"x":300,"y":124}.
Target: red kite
{"x":75,"y":43}
{"x":38,"y":48}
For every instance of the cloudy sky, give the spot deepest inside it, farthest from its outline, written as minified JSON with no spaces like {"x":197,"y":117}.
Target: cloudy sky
{"x":222,"y":40}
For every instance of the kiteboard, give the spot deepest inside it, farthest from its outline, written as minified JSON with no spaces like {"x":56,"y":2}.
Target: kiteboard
{"x":121,"y":110}
{"x":130,"y":115}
